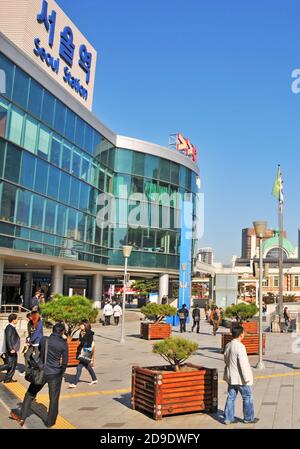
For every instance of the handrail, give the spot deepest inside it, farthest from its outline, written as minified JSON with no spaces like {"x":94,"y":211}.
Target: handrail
{"x":13,"y":308}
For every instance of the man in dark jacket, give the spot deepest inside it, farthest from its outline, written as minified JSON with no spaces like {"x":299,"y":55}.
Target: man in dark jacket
{"x":183,"y":314}
{"x":55,"y":358}
{"x":12,"y":345}
{"x":196,"y":319}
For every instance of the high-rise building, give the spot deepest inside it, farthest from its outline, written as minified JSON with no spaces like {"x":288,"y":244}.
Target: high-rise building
{"x":206,"y":255}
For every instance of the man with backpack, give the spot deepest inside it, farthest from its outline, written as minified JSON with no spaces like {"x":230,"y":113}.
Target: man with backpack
{"x":53,"y":362}
{"x":183,"y":315}
{"x":215,"y":318}
{"x":196,"y":319}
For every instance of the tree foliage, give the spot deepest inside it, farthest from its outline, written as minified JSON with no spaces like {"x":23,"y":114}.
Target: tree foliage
{"x":71,"y":310}
{"x":144,"y":287}
{"x":157,"y":312}
{"x":175,"y":350}
{"x":242,"y":312}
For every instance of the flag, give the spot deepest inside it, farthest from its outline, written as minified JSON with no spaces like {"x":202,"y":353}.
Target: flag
{"x":278,"y":186}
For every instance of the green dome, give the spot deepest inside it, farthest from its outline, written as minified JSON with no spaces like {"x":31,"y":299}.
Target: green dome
{"x":273,"y":242}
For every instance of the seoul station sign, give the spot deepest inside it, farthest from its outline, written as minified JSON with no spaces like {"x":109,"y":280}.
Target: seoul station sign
{"x":46,"y":34}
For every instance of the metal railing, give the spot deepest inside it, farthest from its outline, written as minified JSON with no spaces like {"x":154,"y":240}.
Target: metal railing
{"x":13,"y":308}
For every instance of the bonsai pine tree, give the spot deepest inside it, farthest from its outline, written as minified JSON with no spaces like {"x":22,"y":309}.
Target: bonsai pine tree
{"x":70,"y":310}
{"x":242,"y":312}
{"x":158,"y":312}
{"x":175,"y":350}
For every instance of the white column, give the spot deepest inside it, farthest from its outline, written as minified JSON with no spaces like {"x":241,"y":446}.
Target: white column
{"x":97,"y":290}
{"x":57,"y":279}
{"x":1,"y":280}
{"x":163,"y":286}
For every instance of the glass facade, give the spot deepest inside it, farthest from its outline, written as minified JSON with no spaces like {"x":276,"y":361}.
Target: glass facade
{"x":54,"y":166}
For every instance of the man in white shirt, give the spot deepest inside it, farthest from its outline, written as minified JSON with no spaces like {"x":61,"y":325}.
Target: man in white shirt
{"x":238,"y":374}
{"x":117,"y":313}
{"x":107,"y":312}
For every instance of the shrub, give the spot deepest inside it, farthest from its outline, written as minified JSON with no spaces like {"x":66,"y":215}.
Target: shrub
{"x":242,"y":312}
{"x":175,"y":350}
{"x":158,"y":312}
{"x":71,"y":310}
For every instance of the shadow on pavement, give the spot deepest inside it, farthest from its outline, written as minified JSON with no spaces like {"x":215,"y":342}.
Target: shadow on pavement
{"x":276,"y":362}
{"x":124,"y":399}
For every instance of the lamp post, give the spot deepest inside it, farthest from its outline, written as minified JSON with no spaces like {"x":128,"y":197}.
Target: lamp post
{"x":260,"y":231}
{"x":126,"y":253}
{"x":183,"y":284}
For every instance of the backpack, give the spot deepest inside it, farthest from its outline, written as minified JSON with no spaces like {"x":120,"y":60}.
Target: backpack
{"x":35,"y":371}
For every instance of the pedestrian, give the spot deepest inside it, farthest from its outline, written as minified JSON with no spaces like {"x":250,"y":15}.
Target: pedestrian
{"x":287,"y":319}
{"x":117,"y":313}
{"x":35,"y":328}
{"x":215,"y":318}
{"x":264,"y":309}
{"x":54,"y":354}
{"x":183,"y":314}
{"x":196,"y":319}
{"x":35,"y":301}
{"x":164,"y":300}
{"x":107,"y":312}
{"x":239,"y":377}
{"x":85,"y":353}
{"x":12,"y":346}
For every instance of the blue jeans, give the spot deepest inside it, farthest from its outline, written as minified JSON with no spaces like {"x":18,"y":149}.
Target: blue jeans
{"x":79,"y":371}
{"x":248,"y":406}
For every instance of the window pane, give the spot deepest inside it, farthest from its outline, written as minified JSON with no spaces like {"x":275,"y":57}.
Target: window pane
{"x":85,"y":169}
{"x":88,"y":138}
{"x":61,"y":220}
{"x":72,"y":223}
{"x":15,"y":125}
{"x":23,"y":212}
{"x":164,"y":169}
{"x":35,"y":98}
{"x":41,"y":176}
{"x":48,"y":108}
{"x":123,"y":161}
{"x":2,"y":154}
{"x":74,"y":194}
{"x":44,"y":140}
{"x":151,"y":166}
{"x":84,"y":196}
{"x":8,"y":202}
{"x":174,"y":173}
{"x":60,"y":117}
{"x":37,"y":214}
{"x":30,"y":136}
{"x":20,"y":89}
{"x":79,"y":134}
{"x":53,"y":184}
{"x":27,"y":170}
{"x":81,"y":227}
{"x":7,"y":66}
{"x":76,"y":162}
{"x":64,"y":187}
{"x":3,"y":116}
{"x":138,"y":163}
{"x":66,"y":158}
{"x":50,"y":216}
{"x":70,"y":125}
{"x":149,"y":240}
{"x":12,"y":163}
{"x":56,"y":145}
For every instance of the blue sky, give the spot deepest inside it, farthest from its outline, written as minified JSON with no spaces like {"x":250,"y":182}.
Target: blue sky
{"x":218,"y":71}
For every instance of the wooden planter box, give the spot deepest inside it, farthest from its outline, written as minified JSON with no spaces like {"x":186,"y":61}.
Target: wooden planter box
{"x":161,"y":392}
{"x":72,"y":346}
{"x":151,"y":331}
{"x":250,"y":327}
{"x":251,"y":341}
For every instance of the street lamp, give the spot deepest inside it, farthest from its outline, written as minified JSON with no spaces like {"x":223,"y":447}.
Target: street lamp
{"x":183,"y":284}
{"x":260,"y":231}
{"x":126,"y":253}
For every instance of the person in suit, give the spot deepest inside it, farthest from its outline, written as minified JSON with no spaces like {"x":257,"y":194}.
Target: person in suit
{"x":12,"y":346}
{"x":54,"y":354}
{"x":196,"y":319}
{"x":183,"y":315}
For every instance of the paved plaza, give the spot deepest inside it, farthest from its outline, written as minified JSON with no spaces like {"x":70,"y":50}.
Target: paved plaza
{"x":107,"y":405}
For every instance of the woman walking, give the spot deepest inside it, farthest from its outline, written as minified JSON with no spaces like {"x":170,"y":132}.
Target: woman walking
{"x":287,"y":319}
{"x":85,"y":353}
{"x":35,"y":335}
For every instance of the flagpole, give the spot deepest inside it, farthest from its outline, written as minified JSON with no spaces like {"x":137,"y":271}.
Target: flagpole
{"x":280,"y":264}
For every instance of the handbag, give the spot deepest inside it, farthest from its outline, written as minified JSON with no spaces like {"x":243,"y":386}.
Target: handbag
{"x":86,"y":354}
{"x":35,"y":371}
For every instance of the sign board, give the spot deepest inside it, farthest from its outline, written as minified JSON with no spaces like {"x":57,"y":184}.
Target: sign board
{"x":185,"y":146}
{"x":153,"y":297}
{"x":46,"y":34}
{"x":12,"y":280}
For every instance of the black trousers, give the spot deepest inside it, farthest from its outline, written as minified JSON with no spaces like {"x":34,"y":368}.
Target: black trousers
{"x":117,"y":320}
{"x":107,"y":320}
{"x":11,"y":360}
{"x":196,"y":323}
{"x":54,"y":386}
{"x":182,"y":326}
